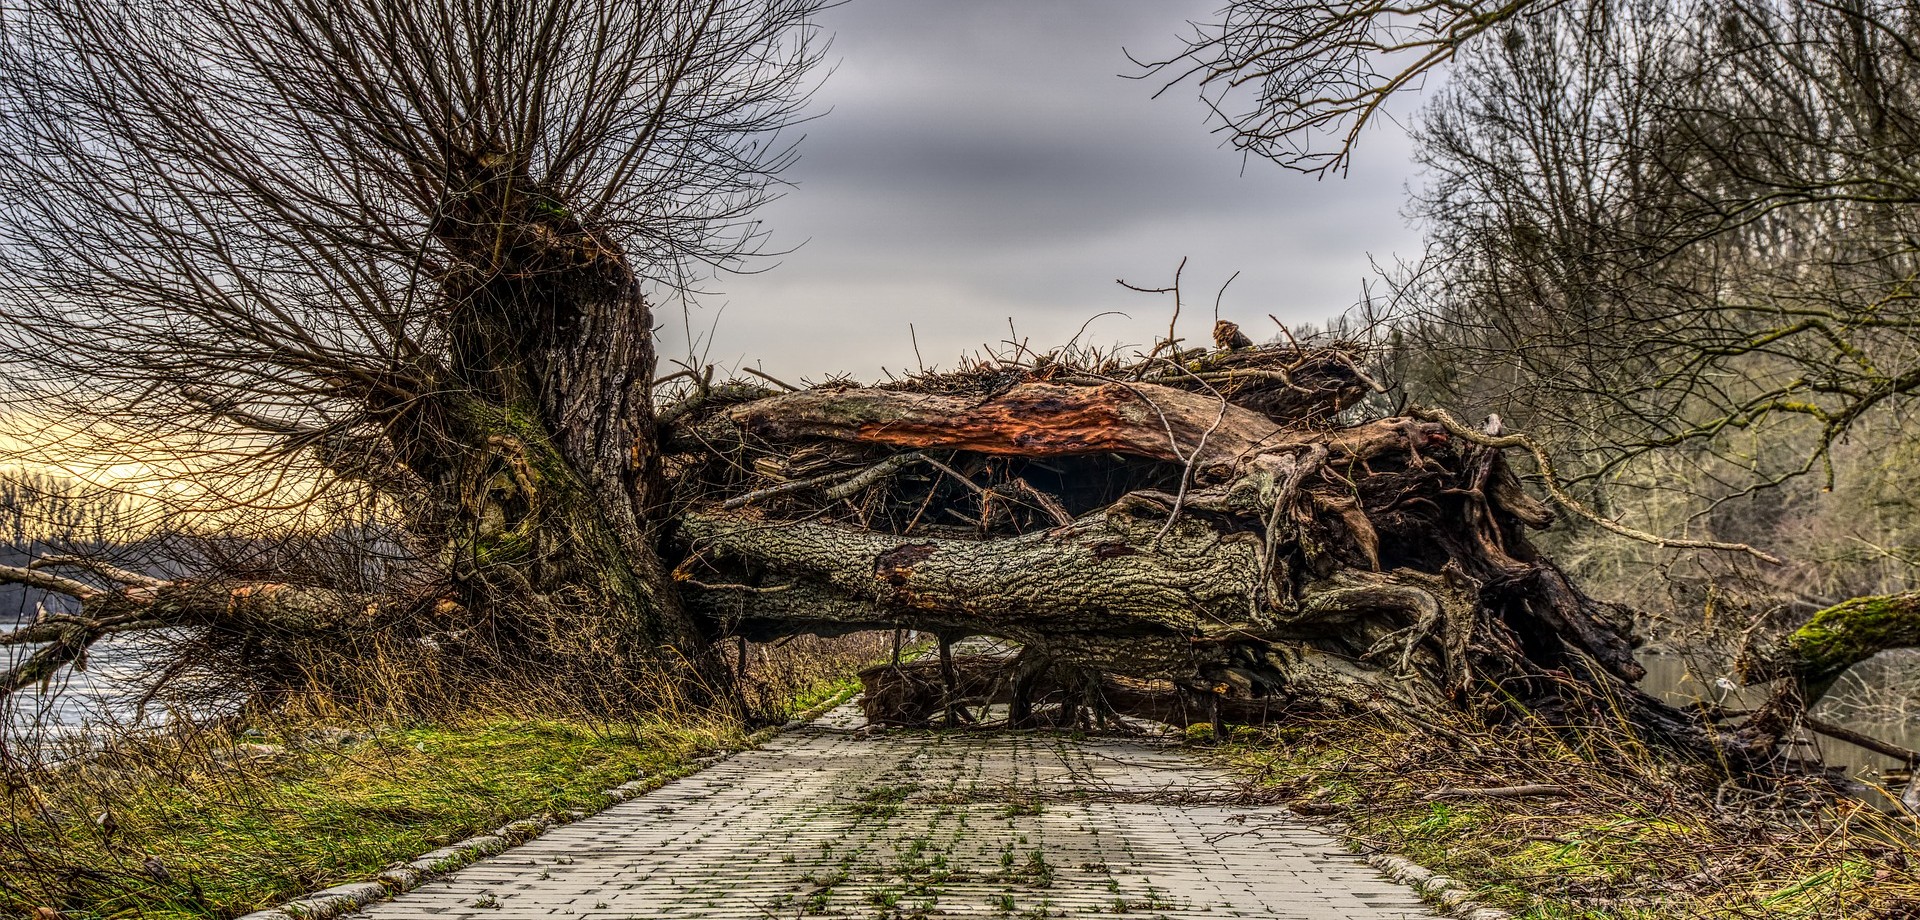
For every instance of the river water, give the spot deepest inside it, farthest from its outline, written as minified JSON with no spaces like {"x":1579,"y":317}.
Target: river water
{"x":1880,"y":699}
{"x":77,"y":708}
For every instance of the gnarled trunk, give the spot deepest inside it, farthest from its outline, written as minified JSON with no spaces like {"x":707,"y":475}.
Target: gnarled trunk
{"x":524,"y":462}
{"x":538,"y":460}
{"x":1145,"y":523}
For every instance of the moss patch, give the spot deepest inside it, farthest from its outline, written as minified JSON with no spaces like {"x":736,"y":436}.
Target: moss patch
{"x":1848,"y":633}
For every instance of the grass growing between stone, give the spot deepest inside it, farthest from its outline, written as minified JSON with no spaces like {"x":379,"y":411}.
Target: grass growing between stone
{"x":1615,"y":834}
{"x":213,"y":827}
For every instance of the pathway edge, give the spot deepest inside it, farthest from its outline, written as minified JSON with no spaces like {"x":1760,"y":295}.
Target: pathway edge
{"x":1441,"y":891}
{"x":409,"y":874}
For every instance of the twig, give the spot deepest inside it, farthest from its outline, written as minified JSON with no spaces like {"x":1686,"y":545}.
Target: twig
{"x":1046,"y":502}
{"x":1186,"y":475}
{"x":1171,"y":342}
{"x":1499,"y":792}
{"x":1222,"y":293}
{"x":950,"y":471}
{"x":1551,"y":480}
{"x":1885,"y":749}
{"x":1286,"y":332}
{"x":1171,"y":339}
{"x":750,"y":589}
{"x":676,"y":375}
{"x":855,"y":480}
{"x":763,"y":375}
{"x":873,"y":474}
{"x":98,"y":567}
{"x":47,"y":582}
{"x":1229,"y":376}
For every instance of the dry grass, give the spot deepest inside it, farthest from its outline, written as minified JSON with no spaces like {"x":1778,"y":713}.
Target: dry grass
{"x":209,"y":825}
{"x":792,"y":675}
{"x":1633,"y":839}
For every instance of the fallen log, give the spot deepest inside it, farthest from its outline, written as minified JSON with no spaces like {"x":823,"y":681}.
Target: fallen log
{"x":253,"y":618}
{"x":1036,"y":692}
{"x":1190,"y":534}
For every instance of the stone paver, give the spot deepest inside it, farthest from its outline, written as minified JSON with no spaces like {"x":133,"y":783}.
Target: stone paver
{"x":828,"y":821}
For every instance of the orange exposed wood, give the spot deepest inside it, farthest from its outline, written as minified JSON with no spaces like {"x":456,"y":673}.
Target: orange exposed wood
{"x":1046,"y":419}
{"x":1029,"y":420}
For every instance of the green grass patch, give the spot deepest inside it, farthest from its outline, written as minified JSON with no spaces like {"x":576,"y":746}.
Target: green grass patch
{"x":215,"y":829}
{"x":209,"y":825}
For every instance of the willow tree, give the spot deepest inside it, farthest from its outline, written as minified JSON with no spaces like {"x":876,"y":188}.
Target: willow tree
{"x":407,"y":241}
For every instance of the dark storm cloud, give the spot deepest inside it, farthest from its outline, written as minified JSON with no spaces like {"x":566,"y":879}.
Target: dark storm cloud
{"x":984,"y":160}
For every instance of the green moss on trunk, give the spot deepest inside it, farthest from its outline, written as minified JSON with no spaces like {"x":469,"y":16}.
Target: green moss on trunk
{"x":1848,"y":633}
{"x":532,"y":543}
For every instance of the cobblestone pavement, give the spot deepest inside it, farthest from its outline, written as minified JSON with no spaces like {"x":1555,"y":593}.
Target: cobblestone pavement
{"x":828,"y":821}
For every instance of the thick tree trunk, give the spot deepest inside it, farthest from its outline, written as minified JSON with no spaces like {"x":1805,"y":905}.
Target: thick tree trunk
{"x":539,"y":453}
{"x":1124,"y":525}
{"x":524,"y":460}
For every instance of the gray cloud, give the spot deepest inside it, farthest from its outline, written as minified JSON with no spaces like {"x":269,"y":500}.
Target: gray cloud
{"x":983,"y":160}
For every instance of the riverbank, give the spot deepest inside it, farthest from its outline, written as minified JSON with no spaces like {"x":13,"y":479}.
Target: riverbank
{"x":217,"y":826}
{"x":1548,"y":829}
{"x":205,"y":823}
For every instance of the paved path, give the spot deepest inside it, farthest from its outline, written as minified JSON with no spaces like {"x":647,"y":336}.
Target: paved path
{"x":826,"y":821}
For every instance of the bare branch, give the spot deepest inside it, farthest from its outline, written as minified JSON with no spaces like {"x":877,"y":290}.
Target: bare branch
{"x":48,"y":582}
{"x":98,"y":567}
{"x":1551,"y":481}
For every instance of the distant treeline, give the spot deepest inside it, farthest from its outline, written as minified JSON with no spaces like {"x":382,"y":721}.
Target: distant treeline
{"x":42,"y":514}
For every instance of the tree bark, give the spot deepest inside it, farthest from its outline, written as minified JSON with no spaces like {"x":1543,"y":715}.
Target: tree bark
{"x":539,"y":451}
{"x":1814,"y":656}
{"x":1382,"y":565}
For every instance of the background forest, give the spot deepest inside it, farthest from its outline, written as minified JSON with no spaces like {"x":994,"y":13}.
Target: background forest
{"x":1677,"y":242}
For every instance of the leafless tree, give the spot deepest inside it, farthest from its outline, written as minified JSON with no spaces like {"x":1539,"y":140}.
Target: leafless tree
{"x":1285,"y":76}
{"x":1684,"y":247}
{"x":1676,"y":238}
{"x":1632,"y":203}
{"x":404,"y":245}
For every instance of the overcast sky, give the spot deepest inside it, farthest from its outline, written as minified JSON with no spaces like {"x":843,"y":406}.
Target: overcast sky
{"x":983,"y":159}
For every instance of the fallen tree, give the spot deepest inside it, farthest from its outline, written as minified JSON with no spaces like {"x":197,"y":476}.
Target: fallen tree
{"x":1198,"y":523}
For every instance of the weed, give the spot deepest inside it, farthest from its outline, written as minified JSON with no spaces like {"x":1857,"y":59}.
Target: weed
{"x":1037,"y":871}
{"x":882,"y":801}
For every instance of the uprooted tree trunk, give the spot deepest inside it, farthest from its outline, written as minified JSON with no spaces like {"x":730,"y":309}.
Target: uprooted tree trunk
{"x":1199,"y":522}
